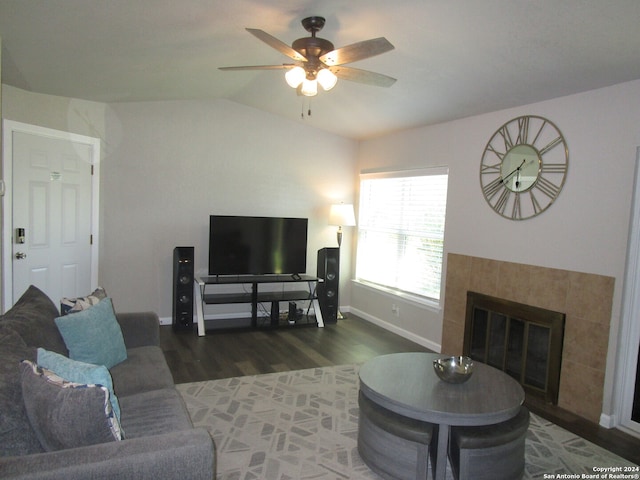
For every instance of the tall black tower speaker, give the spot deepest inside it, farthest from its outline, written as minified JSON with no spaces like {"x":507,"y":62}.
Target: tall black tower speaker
{"x":183,"y":273}
{"x":327,"y":290}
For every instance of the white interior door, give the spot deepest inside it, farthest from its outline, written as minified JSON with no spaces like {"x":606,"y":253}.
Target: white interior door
{"x":52,"y":235}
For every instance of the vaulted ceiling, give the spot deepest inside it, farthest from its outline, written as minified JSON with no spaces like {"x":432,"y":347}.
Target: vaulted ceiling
{"x":452,"y":58}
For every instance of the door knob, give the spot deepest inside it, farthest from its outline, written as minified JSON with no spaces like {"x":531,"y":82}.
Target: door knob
{"x":21,"y":255}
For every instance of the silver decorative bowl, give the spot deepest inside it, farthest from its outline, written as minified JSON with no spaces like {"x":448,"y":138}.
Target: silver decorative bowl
{"x":456,"y":369}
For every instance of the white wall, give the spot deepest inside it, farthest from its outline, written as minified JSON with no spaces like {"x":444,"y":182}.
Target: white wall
{"x":586,"y":229}
{"x":172,"y":164}
{"x":60,"y":113}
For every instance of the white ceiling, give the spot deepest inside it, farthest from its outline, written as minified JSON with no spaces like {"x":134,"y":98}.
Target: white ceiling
{"x":452,"y":58}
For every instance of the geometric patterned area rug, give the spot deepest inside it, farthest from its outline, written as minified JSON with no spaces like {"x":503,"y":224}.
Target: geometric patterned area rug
{"x":303,"y":425}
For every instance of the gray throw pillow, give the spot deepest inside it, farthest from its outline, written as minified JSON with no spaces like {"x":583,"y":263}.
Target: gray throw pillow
{"x":32,"y":317}
{"x":65,"y":414}
{"x":16,"y":435}
{"x":79,"y":372}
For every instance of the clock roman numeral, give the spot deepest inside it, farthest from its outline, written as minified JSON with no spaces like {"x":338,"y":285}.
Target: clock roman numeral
{"x":534,"y":202}
{"x":506,"y":136}
{"x":516,"y":211}
{"x":523,"y":130}
{"x":535,"y":139}
{"x":491,"y":188}
{"x":554,"y":167}
{"x":550,"y":189}
{"x":491,"y":169}
{"x":503,"y":199}
{"x":556,"y":141}
{"x":500,"y":155}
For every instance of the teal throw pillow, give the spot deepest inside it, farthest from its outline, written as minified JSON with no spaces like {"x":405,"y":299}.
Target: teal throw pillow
{"x":94,"y":335}
{"x":79,"y":372}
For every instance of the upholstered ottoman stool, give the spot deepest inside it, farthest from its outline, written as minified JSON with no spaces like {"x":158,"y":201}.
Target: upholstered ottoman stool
{"x":393,"y":446}
{"x":491,"y":452}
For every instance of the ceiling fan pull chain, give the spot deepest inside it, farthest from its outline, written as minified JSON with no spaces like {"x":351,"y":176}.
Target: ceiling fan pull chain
{"x":302,"y":109}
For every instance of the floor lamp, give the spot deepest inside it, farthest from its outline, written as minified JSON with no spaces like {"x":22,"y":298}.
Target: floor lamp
{"x":341,"y":215}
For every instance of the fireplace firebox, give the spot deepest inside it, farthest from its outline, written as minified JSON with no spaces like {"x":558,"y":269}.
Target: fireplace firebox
{"x":523,"y":341}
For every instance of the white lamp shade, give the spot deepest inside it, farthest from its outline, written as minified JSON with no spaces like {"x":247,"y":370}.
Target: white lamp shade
{"x":295,"y":76}
{"x":342,"y":215}
{"x":309,"y":88}
{"x":327,"y":79}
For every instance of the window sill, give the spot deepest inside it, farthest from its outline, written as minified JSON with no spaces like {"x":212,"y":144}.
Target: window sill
{"x":417,"y":300}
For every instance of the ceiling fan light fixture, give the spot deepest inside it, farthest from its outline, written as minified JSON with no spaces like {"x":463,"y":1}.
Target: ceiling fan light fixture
{"x":327,"y":79}
{"x":309,"y":88}
{"x":295,"y":76}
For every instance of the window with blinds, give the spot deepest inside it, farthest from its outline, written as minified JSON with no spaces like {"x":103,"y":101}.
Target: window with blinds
{"x":401,"y":230}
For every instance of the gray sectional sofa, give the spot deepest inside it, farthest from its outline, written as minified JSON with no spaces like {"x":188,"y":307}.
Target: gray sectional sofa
{"x":159,"y":441}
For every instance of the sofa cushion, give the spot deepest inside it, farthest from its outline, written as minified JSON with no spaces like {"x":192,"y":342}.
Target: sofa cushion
{"x":16,"y":435}
{"x":79,"y":372}
{"x":66,"y":414}
{"x":71,"y":305}
{"x":32,"y":317}
{"x":144,"y":369}
{"x":153,"y":413}
{"x":94,"y":335}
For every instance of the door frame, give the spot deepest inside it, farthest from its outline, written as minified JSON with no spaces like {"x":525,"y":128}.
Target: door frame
{"x":629,"y":335}
{"x":9,"y":128}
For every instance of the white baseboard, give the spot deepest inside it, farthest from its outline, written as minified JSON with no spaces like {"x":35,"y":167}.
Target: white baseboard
{"x":425,"y":342}
{"x":608,"y":421}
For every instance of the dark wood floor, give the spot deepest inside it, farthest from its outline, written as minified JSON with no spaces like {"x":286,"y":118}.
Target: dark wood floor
{"x":352,"y":340}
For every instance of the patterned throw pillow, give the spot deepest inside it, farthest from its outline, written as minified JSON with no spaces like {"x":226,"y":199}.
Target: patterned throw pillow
{"x":65,"y":414}
{"x":70,"y":305}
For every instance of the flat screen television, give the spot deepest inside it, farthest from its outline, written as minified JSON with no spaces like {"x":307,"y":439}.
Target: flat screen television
{"x":257,"y":245}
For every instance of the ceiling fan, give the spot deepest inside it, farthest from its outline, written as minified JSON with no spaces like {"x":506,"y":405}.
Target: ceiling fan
{"x":317,"y":61}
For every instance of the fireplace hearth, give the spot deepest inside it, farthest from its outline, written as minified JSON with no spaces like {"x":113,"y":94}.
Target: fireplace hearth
{"x":521,"y":340}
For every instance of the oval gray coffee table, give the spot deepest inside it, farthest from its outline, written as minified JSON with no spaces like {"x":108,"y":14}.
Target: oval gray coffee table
{"x":406,"y":383}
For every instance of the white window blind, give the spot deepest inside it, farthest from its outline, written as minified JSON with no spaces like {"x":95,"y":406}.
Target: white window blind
{"x":401,"y":230}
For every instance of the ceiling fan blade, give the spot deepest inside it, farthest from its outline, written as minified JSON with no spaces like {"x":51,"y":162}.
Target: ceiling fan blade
{"x":284,"y":66}
{"x":277,"y":44}
{"x":357,"y":51}
{"x":363,"y":76}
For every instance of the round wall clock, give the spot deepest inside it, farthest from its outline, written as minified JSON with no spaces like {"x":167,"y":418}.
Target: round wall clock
{"x":524,"y":166}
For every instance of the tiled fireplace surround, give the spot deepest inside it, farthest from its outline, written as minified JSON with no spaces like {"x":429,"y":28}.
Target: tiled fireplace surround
{"x":586,"y":299}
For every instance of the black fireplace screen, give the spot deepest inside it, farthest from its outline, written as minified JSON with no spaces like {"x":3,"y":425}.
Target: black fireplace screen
{"x":523,"y":341}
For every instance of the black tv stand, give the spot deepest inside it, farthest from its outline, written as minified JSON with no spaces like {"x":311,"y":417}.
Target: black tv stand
{"x":255,"y":296}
